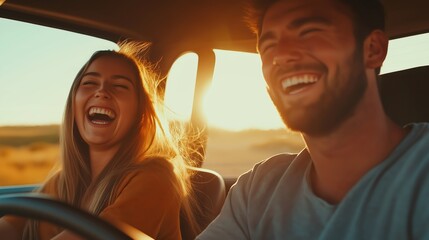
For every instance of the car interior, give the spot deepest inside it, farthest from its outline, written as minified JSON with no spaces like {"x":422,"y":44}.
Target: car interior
{"x":176,"y":27}
{"x":404,"y":95}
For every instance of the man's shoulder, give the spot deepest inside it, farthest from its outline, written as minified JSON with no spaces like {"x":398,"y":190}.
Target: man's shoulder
{"x":279,"y":161}
{"x":268,"y":171}
{"x":420,"y":128}
{"x":412,"y":153}
{"x":417,"y":139}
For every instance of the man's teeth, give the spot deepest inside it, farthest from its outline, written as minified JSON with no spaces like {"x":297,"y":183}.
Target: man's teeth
{"x":301,"y":79}
{"x":104,"y":111}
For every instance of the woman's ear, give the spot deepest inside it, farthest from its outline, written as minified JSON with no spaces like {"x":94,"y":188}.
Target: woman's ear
{"x":375,"y":49}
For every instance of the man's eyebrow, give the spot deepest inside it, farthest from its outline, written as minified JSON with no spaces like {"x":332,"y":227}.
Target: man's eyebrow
{"x":295,"y":24}
{"x":96,"y":74}
{"x":299,"y":22}
{"x":264,"y":37}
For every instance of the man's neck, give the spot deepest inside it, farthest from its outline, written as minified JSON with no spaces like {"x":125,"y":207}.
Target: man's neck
{"x":341,"y":158}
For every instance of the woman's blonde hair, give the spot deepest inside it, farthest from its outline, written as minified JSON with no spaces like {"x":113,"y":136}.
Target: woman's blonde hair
{"x":154,"y":139}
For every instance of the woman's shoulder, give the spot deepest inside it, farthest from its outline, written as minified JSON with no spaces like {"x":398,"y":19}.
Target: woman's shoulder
{"x":158,"y":169}
{"x":154,"y":165}
{"x":156,"y":162}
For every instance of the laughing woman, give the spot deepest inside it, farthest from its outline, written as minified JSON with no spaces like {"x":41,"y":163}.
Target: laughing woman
{"x":118,"y":161}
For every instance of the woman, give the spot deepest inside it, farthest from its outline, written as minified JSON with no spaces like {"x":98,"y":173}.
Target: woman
{"x":118,"y":162}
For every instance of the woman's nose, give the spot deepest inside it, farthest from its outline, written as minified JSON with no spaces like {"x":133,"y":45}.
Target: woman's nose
{"x":102,"y":92}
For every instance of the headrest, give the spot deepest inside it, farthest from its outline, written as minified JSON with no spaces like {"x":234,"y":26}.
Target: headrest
{"x":405,"y":95}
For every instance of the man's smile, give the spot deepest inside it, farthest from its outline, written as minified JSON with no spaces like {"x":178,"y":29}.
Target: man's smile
{"x":295,"y":83}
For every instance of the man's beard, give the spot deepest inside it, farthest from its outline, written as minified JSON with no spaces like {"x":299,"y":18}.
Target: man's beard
{"x":337,"y":103}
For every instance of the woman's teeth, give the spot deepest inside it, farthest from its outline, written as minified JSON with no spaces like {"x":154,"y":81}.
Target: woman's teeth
{"x":102,"y":111}
{"x":100,"y":115}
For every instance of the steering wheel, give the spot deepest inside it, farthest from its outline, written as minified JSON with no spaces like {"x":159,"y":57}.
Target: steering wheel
{"x":42,"y":207}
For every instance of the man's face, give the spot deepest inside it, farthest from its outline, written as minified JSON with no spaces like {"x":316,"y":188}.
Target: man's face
{"x":311,"y":63}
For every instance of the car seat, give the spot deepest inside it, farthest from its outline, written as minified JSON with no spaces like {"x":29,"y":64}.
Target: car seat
{"x":209,"y":191}
{"x":405,"y":95}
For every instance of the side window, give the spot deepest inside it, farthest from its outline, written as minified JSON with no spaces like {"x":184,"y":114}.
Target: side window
{"x":407,"y":52}
{"x":180,"y":86}
{"x":37,"y":66}
{"x":244,"y":127}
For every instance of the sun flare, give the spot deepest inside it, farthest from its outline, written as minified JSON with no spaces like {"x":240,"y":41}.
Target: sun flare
{"x":237,"y":98}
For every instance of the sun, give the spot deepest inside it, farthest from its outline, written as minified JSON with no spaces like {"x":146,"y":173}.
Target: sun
{"x":237,"y":98}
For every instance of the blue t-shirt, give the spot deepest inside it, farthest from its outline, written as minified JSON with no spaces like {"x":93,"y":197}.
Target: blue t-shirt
{"x":275,"y":201}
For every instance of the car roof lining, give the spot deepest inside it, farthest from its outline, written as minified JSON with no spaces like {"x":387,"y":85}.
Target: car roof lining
{"x":217,"y":24}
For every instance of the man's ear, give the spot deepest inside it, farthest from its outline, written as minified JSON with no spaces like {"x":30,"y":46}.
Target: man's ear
{"x":375,"y":49}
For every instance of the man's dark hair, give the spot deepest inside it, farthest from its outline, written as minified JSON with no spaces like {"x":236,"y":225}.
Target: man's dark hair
{"x":368,"y":15}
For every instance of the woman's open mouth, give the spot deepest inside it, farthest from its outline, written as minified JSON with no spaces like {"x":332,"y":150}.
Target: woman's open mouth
{"x":101,"y":115}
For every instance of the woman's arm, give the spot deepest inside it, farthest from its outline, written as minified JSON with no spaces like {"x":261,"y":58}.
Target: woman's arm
{"x":67,"y":235}
{"x":8,"y":231}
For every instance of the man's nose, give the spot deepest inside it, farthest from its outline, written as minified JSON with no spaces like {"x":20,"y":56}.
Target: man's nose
{"x":288,"y":52}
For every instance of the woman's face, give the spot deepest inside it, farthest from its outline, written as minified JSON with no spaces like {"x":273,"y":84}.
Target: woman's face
{"x":106,"y":102}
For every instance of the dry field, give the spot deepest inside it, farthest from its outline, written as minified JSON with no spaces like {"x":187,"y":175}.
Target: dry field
{"x":232,"y":153}
{"x":27,"y":154}
{"x":26,"y":164}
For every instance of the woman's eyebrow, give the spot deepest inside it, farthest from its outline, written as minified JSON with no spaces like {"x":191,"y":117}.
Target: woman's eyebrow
{"x":114,"y":77}
{"x":118,"y":77}
{"x":94,"y":74}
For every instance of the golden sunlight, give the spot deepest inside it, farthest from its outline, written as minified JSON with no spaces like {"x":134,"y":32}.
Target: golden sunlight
{"x":179,"y":91}
{"x":237,"y":98}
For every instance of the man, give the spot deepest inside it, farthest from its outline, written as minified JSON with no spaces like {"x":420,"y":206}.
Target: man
{"x":361,"y":176}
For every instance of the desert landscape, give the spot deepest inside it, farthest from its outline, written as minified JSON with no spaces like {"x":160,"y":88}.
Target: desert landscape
{"x":231,"y":153}
{"x":28,"y":153}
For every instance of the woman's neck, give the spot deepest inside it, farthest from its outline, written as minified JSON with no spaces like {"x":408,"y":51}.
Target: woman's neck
{"x":99,"y":158}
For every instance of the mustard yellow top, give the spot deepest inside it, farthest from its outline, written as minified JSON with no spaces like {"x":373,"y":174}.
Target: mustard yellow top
{"x":147,"y":200}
